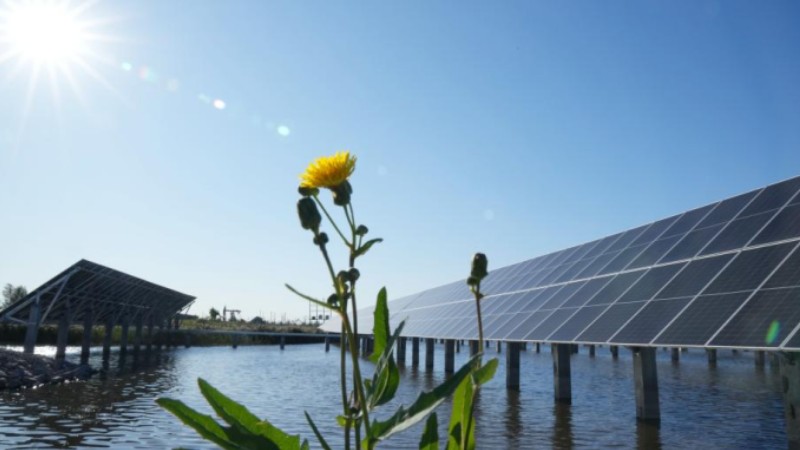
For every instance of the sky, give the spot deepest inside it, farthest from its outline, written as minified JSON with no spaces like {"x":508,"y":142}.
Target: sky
{"x":169,"y":145}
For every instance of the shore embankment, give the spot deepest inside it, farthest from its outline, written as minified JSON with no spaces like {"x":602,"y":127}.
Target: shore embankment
{"x":18,"y":370}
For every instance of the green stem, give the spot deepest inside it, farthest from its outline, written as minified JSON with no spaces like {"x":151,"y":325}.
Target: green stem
{"x":343,"y":383}
{"x":478,"y":297}
{"x":330,"y":219}
{"x":362,"y":399}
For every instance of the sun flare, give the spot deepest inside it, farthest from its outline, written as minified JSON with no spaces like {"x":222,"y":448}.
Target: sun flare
{"x":44,"y":33}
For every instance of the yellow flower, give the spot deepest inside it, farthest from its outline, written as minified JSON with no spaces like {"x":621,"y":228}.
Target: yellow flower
{"x":328,"y":171}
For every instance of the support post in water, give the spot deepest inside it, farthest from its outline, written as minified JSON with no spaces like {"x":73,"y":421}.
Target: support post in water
{"x":591,"y":351}
{"x":63,"y":333}
{"x":107,"y":338}
{"x":449,"y":356}
{"x":429,"y":354}
{"x":676,"y":354}
{"x":473,"y":348}
{"x":645,"y":379}
{"x":327,"y":344}
{"x":512,"y":365}
{"x":562,"y":383}
{"x":137,"y":334}
{"x":538,"y":347}
{"x":123,"y":337}
{"x":415,"y":352}
{"x":712,"y":356}
{"x":283,"y":342}
{"x":86,"y":344}
{"x":614,"y":351}
{"x":32,"y":332}
{"x":790,"y":383}
{"x":759,"y":358}
{"x":401,"y":351}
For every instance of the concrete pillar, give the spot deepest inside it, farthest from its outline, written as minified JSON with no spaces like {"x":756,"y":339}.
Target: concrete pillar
{"x":759,"y":358}
{"x":499,"y":346}
{"x":32,"y":332}
{"x":449,"y":356}
{"x":370,"y":346}
{"x":458,"y":346}
{"x":487,"y":344}
{"x":591,"y":351}
{"x":429,"y":354}
{"x":86,"y":344}
{"x":614,"y":351}
{"x":137,"y":334}
{"x":401,"y":351}
{"x":524,"y":346}
{"x":575,"y":349}
{"x":645,"y":378}
{"x":327,"y":344}
{"x":415,"y":352}
{"x":283,"y":342}
{"x":790,"y":384}
{"x":562,"y":384}
{"x":123,"y":337}
{"x":473,"y":348}
{"x":538,"y":347}
{"x":512,"y":365}
{"x":149,"y":334}
{"x":676,"y":354}
{"x":107,"y":338}
{"x":712,"y":356}
{"x":63,"y":334}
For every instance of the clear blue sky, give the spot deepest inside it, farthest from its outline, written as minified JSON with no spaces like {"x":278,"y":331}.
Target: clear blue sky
{"x":513,"y":128}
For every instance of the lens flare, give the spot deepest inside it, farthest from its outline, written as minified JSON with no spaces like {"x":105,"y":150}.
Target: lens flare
{"x":772,"y":332}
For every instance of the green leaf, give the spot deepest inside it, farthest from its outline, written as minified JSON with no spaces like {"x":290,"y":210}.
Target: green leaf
{"x":384,"y":384}
{"x":422,"y":406}
{"x":366,"y":246}
{"x":244,"y":422}
{"x":461,"y":432}
{"x":486,"y":373}
{"x":309,"y":298}
{"x":205,"y":425}
{"x":380,"y":327}
{"x":430,"y":437}
{"x":321,"y":439}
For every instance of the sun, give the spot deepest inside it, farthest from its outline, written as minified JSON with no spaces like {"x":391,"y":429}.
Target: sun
{"x":44,"y":33}
{"x":55,"y":38}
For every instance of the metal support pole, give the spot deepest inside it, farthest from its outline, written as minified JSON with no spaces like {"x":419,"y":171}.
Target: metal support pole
{"x":137,"y":334}
{"x":645,"y":378}
{"x":86,"y":344}
{"x":327,"y":344}
{"x":759,"y":358}
{"x":449,"y":356}
{"x":415,"y":352}
{"x":33,"y":327}
{"x":429,"y":354}
{"x":123,"y":337}
{"x":473,"y":348}
{"x":712,"y":356}
{"x":283,"y":342}
{"x":562,"y":382}
{"x":538,"y":347}
{"x":401,"y":351}
{"x":107,"y":338}
{"x":790,"y":381}
{"x":614,"y":351}
{"x":676,"y":354}
{"x":512,"y":365}
{"x":63,"y":333}
{"x":499,"y":346}
{"x":591,"y":351}
{"x":150,"y":334}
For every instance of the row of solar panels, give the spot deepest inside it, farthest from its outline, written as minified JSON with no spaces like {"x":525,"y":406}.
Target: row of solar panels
{"x":726,"y":274}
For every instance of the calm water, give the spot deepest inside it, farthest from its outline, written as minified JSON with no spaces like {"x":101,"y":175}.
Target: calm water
{"x":734,"y":405}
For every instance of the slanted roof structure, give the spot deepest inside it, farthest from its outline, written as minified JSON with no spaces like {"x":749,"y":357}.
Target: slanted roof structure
{"x":108,"y":294}
{"x":722,"y":275}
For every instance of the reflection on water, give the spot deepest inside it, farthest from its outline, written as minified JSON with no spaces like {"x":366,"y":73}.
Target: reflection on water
{"x":734,"y":405}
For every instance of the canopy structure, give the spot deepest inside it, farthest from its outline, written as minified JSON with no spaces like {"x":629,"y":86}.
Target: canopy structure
{"x":90,"y":293}
{"x":726,"y":274}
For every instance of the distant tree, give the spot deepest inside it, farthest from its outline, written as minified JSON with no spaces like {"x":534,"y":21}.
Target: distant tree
{"x":213,"y":313}
{"x":13,"y":293}
{"x":257,"y":320}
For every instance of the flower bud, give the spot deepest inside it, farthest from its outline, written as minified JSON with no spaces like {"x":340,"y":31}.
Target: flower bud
{"x":479,"y":267}
{"x":472,"y":281}
{"x":309,"y":215}
{"x":308,"y":191}
{"x":343,"y":277}
{"x":341,"y":193}
{"x":333,"y":300}
{"x":353,"y":274}
{"x":362,"y":230}
{"x":321,"y":239}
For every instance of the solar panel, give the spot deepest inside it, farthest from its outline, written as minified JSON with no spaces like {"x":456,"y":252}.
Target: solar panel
{"x":725,"y":274}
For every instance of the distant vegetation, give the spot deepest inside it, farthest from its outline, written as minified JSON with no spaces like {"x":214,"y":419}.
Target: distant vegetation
{"x":12,"y":293}
{"x":257,"y":324}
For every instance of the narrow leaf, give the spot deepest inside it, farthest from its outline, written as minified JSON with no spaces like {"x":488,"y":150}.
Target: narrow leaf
{"x":422,"y":406}
{"x":240,"y":418}
{"x":380,"y":327}
{"x":486,"y":373}
{"x":309,"y":298}
{"x":430,"y":437}
{"x":366,"y":246}
{"x":321,"y":439}
{"x":461,"y":432}
{"x":205,"y":425}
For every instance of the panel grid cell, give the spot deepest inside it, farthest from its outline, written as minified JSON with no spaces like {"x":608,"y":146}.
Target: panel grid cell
{"x":692,"y":243}
{"x":701,"y":319}
{"x":616,"y":288}
{"x":786,"y":225}
{"x":655,"y":230}
{"x":610,"y":322}
{"x":687,"y":221}
{"x":764,"y":321}
{"x":691,"y":280}
{"x":576,"y":324}
{"x":549,"y":325}
{"x":650,"y":321}
{"x":654,"y":252}
{"x":788,"y":274}
{"x":737,"y":233}
{"x":652,"y":281}
{"x":587,"y":291}
{"x":773,"y":197}
{"x":749,"y":269}
{"x":727,"y":209}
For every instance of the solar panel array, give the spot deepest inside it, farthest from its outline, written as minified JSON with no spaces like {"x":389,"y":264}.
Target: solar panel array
{"x":723,"y":275}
